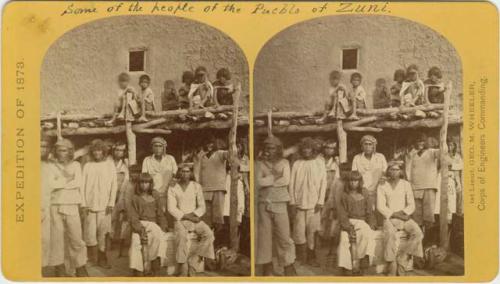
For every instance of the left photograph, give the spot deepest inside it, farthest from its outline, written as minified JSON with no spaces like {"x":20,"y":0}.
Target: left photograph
{"x":144,"y":151}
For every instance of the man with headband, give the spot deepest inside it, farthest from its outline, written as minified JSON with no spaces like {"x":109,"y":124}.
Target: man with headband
{"x":162,"y":167}
{"x":272,"y":177}
{"x":371,"y":165}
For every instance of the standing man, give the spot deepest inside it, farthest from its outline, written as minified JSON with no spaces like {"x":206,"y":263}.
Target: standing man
{"x":307,"y":196}
{"x":210,"y":171}
{"x":99,"y":197}
{"x":372,"y":166}
{"x":187,"y":204}
{"x":122,"y":177}
{"x":395,"y":202}
{"x":422,"y":171}
{"x":65,"y":200}
{"x":162,"y":167}
{"x":272,"y":177}
{"x":46,"y":175}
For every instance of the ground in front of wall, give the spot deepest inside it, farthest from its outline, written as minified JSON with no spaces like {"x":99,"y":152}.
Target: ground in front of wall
{"x":452,"y":266}
{"x":120,"y":268}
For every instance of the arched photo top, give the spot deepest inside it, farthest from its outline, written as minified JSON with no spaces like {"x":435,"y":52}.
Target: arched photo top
{"x":80,"y":70}
{"x":292,"y":69}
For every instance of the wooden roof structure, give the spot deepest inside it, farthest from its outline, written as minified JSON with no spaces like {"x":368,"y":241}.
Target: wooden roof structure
{"x":164,"y":122}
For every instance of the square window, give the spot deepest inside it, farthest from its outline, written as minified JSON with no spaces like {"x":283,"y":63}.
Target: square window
{"x":350,"y":59}
{"x":136,"y":60}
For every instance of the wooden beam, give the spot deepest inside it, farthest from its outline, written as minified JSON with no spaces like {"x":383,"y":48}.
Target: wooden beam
{"x":364,"y":129}
{"x":75,"y":117}
{"x":154,"y":131}
{"x":362,"y":112}
{"x":412,"y":124}
{"x":177,"y":112}
{"x":387,"y":111}
{"x":284,"y":115}
{"x":87,"y":131}
{"x":342,"y":138}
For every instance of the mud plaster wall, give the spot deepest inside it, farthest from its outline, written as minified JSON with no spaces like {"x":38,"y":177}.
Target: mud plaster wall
{"x":80,"y":69}
{"x":291,"y":72}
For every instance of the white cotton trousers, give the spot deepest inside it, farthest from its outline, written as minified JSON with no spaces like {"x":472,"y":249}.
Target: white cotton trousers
{"x":365,"y":244}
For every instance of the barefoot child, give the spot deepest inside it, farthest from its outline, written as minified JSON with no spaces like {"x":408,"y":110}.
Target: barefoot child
{"x":169,"y":98}
{"x":338,"y":104}
{"x":147,"y":97}
{"x":187,"y":80}
{"x":358,"y":94}
{"x":399,"y":77}
{"x":412,"y":89}
{"x":223,"y":88}
{"x":381,"y":95}
{"x":434,"y":88}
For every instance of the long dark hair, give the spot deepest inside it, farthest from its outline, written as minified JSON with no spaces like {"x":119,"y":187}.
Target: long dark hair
{"x":355,"y":175}
{"x":144,"y":177}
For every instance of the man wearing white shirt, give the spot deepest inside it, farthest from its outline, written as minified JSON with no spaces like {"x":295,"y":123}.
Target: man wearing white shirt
{"x":162,"y":167}
{"x":396,"y":203}
{"x":99,"y":196}
{"x":187,"y":204}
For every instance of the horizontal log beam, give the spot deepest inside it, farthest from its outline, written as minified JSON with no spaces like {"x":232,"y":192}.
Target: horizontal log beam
{"x":284,"y":115}
{"x":422,"y":123}
{"x":371,"y":122}
{"x":361,"y":112}
{"x":387,"y":111}
{"x":76,"y":117}
{"x":154,"y":131}
{"x":152,"y":114}
{"x":364,"y":129}
{"x":177,"y":112}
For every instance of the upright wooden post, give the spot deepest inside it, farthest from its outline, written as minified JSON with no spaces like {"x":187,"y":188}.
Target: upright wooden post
{"x":131,"y":144}
{"x":234,"y":163}
{"x":342,"y":137}
{"x":443,"y":147}
{"x":59,"y":126}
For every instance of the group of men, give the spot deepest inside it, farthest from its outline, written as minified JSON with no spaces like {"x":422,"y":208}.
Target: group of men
{"x":88,"y":203}
{"x":296,"y":204}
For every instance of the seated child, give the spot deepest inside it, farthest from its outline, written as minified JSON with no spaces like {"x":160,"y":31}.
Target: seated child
{"x":126,"y":107}
{"x":357,"y":222}
{"x":147,"y":97}
{"x":338,"y":103}
{"x":187,"y":80}
{"x":358,"y":94}
{"x":434,"y":87}
{"x":201,"y":93}
{"x":149,"y":223}
{"x":223,"y":88}
{"x":187,"y":204}
{"x":399,"y":77}
{"x":169,"y":99}
{"x":381,"y":96}
{"x":412,"y":89}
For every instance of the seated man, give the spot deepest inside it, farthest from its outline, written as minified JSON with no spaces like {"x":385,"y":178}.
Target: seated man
{"x":187,"y":204}
{"x":396,"y":203}
{"x":149,"y":223}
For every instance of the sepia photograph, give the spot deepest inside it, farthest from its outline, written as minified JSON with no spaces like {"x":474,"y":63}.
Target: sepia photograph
{"x":358,"y":150}
{"x":144,"y":151}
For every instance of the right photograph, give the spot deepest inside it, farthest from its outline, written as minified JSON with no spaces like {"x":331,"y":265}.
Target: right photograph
{"x":358,"y":150}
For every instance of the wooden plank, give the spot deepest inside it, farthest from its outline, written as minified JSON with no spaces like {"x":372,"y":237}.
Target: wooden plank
{"x":177,"y":112}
